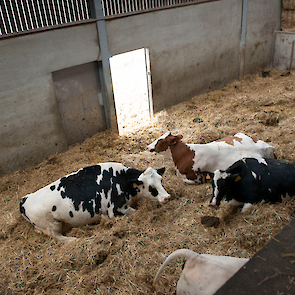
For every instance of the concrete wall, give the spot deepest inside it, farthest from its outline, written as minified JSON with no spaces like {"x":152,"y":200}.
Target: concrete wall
{"x":30,"y":123}
{"x":193,"y":49}
{"x":197,"y":47}
{"x":263,"y":18}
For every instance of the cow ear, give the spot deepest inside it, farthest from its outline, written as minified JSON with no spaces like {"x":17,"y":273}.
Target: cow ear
{"x":176,"y":139}
{"x":236,"y":177}
{"x":135,"y":182}
{"x":161,"y":171}
{"x":209,"y":175}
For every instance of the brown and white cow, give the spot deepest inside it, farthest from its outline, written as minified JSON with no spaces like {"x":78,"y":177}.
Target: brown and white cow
{"x":191,"y":160}
{"x":203,"y":274}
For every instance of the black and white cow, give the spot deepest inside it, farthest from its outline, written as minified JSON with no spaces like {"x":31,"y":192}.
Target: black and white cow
{"x":80,"y":197}
{"x":249,"y":181}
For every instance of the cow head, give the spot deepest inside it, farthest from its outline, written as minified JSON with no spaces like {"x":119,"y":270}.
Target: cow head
{"x":149,"y":184}
{"x":221,"y":182}
{"x":164,"y":142}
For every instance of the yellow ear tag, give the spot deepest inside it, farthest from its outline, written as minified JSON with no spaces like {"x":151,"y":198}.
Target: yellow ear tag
{"x":238,"y":178}
{"x":134,"y":184}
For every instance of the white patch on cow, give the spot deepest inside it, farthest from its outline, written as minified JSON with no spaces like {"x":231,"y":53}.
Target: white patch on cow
{"x":126,"y":210}
{"x":183,"y":177}
{"x":217,"y":176}
{"x":254,"y":174}
{"x":246,"y":207}
{"x":261,"y":161}
{"x":233,"y":202}
{"x":110,"y":210}
{"x":154,"y":143}
{"x":150,"y":177}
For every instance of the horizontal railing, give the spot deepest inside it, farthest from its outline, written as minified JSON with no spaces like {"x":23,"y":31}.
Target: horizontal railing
{"x":25,"y":15}
{"x":115,"y":7}
{"x":28,"y":15}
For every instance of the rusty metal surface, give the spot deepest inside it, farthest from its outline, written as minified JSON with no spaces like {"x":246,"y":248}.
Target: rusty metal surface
{"x":82,"y":111}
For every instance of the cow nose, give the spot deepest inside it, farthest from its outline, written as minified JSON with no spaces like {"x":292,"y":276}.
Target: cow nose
{"x":167,"y":199}
{"x":152,"y":150}
{"x":213,"y":204}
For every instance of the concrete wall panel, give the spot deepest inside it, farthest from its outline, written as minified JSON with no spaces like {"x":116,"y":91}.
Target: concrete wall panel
{"x":263,"y":18}
{"x":30,"y":124}
{"x":194,"y":47}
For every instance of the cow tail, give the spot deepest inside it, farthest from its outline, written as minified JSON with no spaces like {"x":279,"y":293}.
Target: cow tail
{"x":180,"y":253}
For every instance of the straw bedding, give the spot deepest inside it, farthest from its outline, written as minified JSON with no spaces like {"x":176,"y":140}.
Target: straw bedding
{"x":122,"y":255}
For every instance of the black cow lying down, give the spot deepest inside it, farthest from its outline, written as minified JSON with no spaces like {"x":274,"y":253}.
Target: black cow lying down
{"x":249,"y":181}
{"x":82,"y":196}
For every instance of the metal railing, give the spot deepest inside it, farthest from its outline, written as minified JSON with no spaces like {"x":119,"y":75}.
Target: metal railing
{"x":115,"y":7}
{"x":25,"y":15}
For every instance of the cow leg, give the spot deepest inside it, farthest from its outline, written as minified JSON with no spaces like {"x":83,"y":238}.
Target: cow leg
{"x":233,"y":202}
{"x":54,"y":228}
{"x":126,"y":209}
{"x":246,"y":206}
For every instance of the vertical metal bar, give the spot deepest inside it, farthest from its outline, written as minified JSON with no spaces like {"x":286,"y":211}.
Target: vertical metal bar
{"x":40,"y":14}
{"x":2,"y":16}
{"x":54,"y":12}
{"x":111,"y":8}
{"x":45,"y":16}
{"x":87,"y":12}
{"x":78,"y":11}
{"x":83,"y":16}
{"x":25,"y":17}
{"x":35,"y":15}
{"x":19,"y":17}
{"x":105,"y":72}
{"x":15,"y":23}
{"x":59,"y":11}
{"x":49,"y":10}
{"x":149,"y":82}
{"x":243,"y":39}
{"x":73,"y":11}
{"x":69,"y":15}
{"x":136,"y":8}
{"x":64,"y":10}
{"x":30,"y":16}
{"x":8,"y":17}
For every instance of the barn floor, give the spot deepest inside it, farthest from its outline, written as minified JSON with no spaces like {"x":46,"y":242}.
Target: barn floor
{"x":122,"y":255}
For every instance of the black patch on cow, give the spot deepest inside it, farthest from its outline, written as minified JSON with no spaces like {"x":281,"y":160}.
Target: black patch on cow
{"x":23,"y":210}
{"x":83,"y":189}
{"x":52,"y":187}
{"x":71,"y":214}
{"x":21,"y":205}
{"x":270,"y":183}
{"x":53,"y":208}
{"x":153,"y":191}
